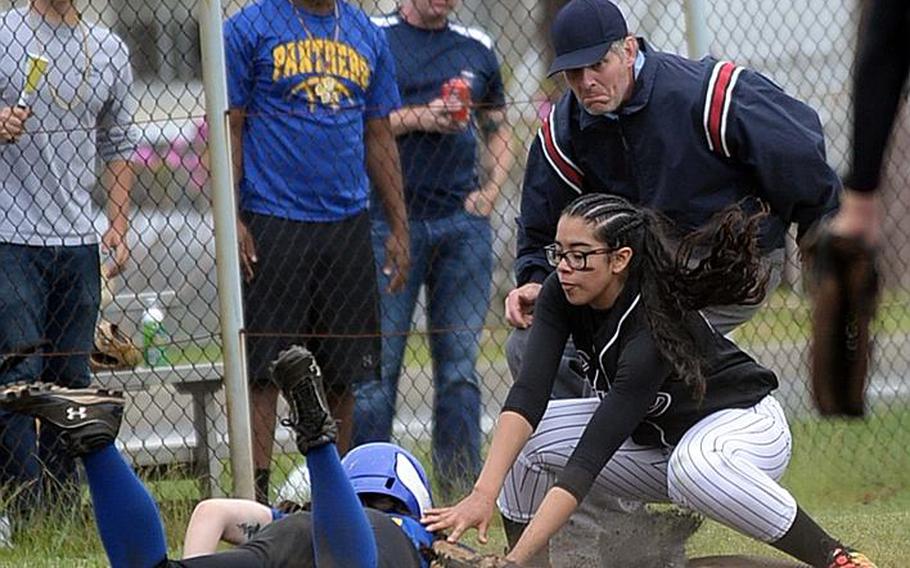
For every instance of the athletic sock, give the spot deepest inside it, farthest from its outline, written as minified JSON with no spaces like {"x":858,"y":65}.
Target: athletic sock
{"x":262,"y":485}
{"x":513,"y":530}
{"x":126,"y":514}
{"x":806,"y":541}
{"x":342,"y":535}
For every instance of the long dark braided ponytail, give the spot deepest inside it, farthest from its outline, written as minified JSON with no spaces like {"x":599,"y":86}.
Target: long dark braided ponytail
{"x":716,"y":265}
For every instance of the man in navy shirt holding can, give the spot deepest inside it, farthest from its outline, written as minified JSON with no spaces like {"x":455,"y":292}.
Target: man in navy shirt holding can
{"x":452,"y":95}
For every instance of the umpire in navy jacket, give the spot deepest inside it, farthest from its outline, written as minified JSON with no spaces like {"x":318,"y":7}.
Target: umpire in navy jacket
{"x":686,"y":138}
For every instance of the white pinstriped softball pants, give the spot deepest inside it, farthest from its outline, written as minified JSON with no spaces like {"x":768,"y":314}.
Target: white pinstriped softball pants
{"x":725,"y":467}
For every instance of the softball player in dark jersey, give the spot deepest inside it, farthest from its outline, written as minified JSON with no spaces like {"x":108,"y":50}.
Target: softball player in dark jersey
{"x":682,"y":415}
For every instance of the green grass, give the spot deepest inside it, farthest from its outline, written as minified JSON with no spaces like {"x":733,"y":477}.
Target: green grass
{"x":785,"y":318}
{"x":851,"y":476}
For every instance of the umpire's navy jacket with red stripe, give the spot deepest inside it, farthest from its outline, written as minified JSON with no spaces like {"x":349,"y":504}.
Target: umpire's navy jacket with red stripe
{"x":695,"y":137}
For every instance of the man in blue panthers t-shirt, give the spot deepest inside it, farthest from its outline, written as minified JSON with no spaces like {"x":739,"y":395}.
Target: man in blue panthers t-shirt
{"x":450,"y":195}
{"x":311,"y":85}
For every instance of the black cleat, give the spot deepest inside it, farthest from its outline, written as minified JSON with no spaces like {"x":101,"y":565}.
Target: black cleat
{"x":88,"y":418}
{"x":298,"y":376}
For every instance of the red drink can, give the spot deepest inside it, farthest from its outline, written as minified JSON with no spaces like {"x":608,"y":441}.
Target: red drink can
{"x":458,"y":88}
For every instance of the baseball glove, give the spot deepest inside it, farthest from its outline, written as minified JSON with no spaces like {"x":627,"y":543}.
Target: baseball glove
{"x":843,"y":285}
{"x":113,"y":350}
{"x":448,"y":555}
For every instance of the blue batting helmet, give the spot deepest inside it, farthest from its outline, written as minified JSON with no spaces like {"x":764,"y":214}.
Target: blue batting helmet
{"x":387,"y":469}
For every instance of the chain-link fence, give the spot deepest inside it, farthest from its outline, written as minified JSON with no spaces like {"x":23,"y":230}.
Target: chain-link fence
{"x":126,"y":77}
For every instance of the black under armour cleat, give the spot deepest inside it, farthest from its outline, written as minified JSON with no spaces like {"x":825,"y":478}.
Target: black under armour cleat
{"x":88,"y":418}
{"x":298,"y":376}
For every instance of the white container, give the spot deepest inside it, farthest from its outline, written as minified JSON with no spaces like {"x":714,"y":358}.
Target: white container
{"x":154,"y":336}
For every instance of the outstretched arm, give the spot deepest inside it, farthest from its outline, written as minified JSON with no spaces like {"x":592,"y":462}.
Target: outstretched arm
{"x":476,"y":510}
{"x":230,"y":520}
{"x":554,"y":512}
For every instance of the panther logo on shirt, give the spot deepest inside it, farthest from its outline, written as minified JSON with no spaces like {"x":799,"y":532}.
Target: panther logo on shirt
{"x":327,"y":90}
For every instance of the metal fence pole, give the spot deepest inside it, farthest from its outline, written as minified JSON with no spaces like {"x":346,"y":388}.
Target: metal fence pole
{"x":696,"y":29}
{"x":226,"y":251}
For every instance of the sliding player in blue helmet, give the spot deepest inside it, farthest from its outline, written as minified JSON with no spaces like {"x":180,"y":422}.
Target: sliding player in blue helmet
{"x":364,"y":510}
{"x":385,"y":477}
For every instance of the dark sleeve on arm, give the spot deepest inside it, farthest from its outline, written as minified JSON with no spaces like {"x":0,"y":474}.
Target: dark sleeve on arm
{"x":494,"y":96}
{"x":641,"y":372}
{"x":881,"y":72}
{"x":531,"y":392}
{"x":543,"y":197}
{"x":781,"y":140}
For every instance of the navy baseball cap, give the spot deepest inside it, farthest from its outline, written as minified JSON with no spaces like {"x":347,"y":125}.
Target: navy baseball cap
{"x":583,"y":31}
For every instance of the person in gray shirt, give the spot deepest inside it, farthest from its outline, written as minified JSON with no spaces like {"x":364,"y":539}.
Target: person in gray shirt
{"x":65,"y":106}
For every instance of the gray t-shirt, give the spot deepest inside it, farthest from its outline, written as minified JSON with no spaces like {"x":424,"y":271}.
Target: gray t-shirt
{"x":82,"y":115}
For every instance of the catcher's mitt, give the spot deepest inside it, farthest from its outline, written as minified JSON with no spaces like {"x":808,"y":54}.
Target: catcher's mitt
{"x":843,"y":287}
{"x":448,"y":555}
{"x":113,"y":350}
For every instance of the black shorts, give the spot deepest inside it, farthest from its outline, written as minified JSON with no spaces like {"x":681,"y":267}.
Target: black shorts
{"x":288,"y":542}
{"x":314,"y":284}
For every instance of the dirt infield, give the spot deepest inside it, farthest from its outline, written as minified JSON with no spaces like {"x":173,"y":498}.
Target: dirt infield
{"x":605,"y":538}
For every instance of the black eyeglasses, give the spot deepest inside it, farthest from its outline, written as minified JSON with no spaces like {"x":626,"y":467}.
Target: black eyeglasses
{"x":576,"y":259}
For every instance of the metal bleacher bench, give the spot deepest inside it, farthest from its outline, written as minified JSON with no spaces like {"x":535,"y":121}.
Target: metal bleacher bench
{"x":201,"y":381}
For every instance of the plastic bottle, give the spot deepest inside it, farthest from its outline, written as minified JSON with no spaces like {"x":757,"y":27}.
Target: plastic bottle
{"x":154,"y":337}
